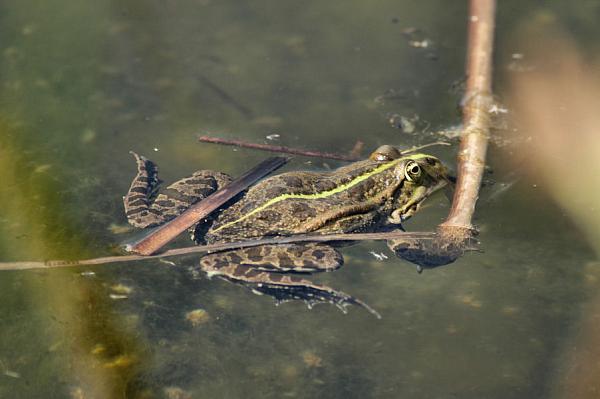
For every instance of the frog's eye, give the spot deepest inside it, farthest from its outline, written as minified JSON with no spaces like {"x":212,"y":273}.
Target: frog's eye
{"x":412,"y":171}
{"x":385,"y":153}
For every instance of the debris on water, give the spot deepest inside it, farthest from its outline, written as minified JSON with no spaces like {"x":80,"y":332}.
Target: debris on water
{"x":117,"y":297}
{"x":419,"y":43}
{"x":416,"y":38}
{"x":98,"y":349}
{"x":311,"y":360}
{"x":155,"y":149}
{"x":451,"y":132}
{"x":176,"y":393}
{"x":88,"y":136}
{"x":121,"y":289}
{"x":197,"y":317}
{"x":469,"y":300}
{"x":406,"y":125}
{"x":28,"y":29}
{"x":273,"y":136}
{"x":518,"y":63}
{"x":88,"y":273}
{"x":120,"y":361}
{"x":223,"y":302}
{"x":379,"y":256}
{"x":42,"y":168}
{"x":452,"y":329}
{"x":12,"y":374}
{"x":509,"y":310}
{"x":497,"y":109}
{"x":119,"y":228}
{"x":77,"y":393}
{"x":168,"y":262}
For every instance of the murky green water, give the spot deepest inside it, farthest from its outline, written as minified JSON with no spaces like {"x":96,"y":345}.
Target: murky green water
{"x":85,"y":82}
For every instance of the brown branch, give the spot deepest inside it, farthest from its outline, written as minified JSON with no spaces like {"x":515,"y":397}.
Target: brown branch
{"x":456,"y":232}
{"x":476,"y":114}
{"x":279,"y":149}
{"x":216,"y":247}
{"x":168,"y":231}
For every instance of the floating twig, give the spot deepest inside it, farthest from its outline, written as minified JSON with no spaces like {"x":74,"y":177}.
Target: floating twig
{"x":354,"y":154}
{"x":279,"y":149}
{"x":216,"y":247}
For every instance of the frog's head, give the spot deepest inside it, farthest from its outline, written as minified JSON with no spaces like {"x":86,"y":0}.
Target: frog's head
{"x":418,"y":176}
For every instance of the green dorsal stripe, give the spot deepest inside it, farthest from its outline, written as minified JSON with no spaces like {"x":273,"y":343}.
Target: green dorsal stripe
{"x":324,"y":194}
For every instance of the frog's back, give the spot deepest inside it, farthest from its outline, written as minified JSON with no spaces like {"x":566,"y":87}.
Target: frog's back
{"x":296,"y":202}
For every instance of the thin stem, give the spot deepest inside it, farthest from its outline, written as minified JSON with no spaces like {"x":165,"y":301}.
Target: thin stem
{"x":476,"y":115}
{"x":216,"y":247}
{"x":278,"y":148}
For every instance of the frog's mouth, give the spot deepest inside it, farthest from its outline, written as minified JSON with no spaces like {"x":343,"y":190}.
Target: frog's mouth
{"x":412,"y":206}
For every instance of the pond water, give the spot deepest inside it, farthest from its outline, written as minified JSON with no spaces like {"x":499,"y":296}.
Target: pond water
{"x":85,"y":82}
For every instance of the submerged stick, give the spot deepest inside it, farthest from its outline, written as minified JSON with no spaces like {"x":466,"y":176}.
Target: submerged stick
{"x":306,"y":153}
{"x":279,"y":149}
{"x":168,"y":231}
{"x":215,"y":247}
{"x":226,"y":97}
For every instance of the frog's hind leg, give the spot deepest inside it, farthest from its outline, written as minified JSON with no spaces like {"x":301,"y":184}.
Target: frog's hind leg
{"x":273,"y":270}
{"x":146,"y":207}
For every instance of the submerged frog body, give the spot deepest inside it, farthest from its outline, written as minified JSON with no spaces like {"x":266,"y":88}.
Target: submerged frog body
{"x":364,"y":196}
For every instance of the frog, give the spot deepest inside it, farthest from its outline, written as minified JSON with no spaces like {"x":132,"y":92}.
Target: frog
{"x":378,"y":193}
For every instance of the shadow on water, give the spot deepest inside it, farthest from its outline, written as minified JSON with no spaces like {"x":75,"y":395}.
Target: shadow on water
{"x":84,"y":83}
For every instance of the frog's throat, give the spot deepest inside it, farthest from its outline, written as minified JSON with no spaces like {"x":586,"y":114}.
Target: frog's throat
{"x":324,"y":194}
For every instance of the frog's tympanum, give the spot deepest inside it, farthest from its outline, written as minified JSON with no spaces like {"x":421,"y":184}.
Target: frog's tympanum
{"x":364,"y":196}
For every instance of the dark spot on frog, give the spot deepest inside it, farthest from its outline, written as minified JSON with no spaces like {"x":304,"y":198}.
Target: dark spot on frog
{"x":324,"y":185}
{"x":292,"y":181}
{"x":234,"y":258}
{"x":165,"y":203}
{"x":216,"y":262}
{"x":139,"y":190}
{"x":285,"y":260}
{"x":318,"y":254}
{"x":141,"y":201}
{"x":301,"y":210}
{"x":251,"y":272}
{"x":254,"y":254}
{"x":240,"y":270}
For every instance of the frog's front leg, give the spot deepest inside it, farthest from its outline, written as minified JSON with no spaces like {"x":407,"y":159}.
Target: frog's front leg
{"x":273,"y":270}
{"x":145,"y":207}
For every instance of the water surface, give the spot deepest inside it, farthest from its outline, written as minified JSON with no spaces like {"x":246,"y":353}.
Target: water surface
{"x":84,"y":83}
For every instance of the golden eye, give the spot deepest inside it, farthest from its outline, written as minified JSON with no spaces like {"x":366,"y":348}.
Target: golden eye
{"x":385,"y":153}
{"x":412,"y":171}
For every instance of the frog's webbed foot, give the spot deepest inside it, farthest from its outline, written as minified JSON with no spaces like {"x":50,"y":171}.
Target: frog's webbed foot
{"x":270,"y":270}
{"x":145,"y":207}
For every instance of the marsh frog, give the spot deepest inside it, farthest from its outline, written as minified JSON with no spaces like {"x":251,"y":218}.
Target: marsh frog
{"x":364,"y":196}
